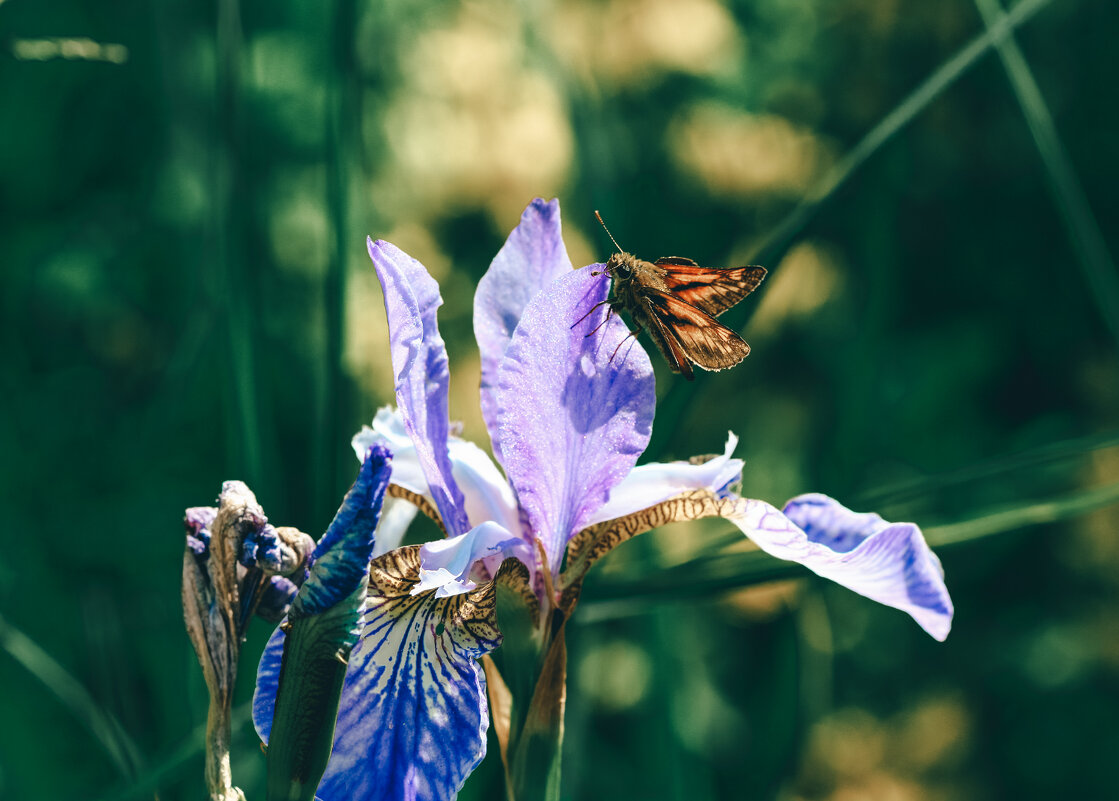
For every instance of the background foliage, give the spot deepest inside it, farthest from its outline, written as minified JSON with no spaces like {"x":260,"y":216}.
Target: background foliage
{"x":185,"y":189}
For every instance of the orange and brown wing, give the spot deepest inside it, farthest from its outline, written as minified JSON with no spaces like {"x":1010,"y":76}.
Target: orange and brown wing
{"x":711,"y":291}
{"x":689,"y":332}
{"x":668,"y":344}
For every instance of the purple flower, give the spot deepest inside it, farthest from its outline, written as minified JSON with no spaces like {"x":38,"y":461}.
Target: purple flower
{"x":568,"y":400}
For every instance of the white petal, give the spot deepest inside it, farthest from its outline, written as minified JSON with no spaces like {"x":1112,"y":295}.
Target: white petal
{"x":487,"y":494}
{"x":649,"y":484}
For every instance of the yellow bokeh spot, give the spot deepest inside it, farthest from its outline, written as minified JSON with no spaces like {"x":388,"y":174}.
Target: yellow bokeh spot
{"x":737,"y":154}
{"x":629,"y":42}
{"x":804,"y":281}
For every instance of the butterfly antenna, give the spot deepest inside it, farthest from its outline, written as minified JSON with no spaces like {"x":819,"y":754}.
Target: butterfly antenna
{"x":612,"y":239}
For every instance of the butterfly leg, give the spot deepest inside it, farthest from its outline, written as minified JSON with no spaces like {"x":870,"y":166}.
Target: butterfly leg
{"x":585,"y":316}
{"x":632,"y":333}
{"x":605,"y":320}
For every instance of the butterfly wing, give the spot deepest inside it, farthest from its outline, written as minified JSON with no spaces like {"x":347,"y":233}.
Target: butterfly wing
{"x":667,"y":343}
{"x":710,"y":291}
{"x":682,"y":330}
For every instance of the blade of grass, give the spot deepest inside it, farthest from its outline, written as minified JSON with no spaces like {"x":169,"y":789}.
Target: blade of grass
{"x":1084,"y":231}
{"x":774,"y":247}
{"x":706,"y":577}
{"x":105,"y":728}
{"x":230,"y":217}
{"x":1042,"y":455}
{"x":340,"y":126}
{"x":776,"y":244}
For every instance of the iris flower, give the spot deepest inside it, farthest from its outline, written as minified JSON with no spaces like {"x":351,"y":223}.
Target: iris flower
{"x":568,"y":400}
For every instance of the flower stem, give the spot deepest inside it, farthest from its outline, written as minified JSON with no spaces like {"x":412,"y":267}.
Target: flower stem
{"x":219,"y":775}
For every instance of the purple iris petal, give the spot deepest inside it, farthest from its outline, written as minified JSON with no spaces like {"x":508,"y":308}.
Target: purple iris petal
{"x":532,"y":257}
{"x":413,"y":716}
{"x":341,"y":559}
{"x":419,"y":362}
{"x":575,"y":408}
{"x":887,"y":562}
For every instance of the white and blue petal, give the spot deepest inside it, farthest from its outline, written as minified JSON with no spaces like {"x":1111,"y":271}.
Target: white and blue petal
{"x":575,"y":407}
{"x":532,"y":257}
{"x":445,"y":565}
{"x":650,"y":484}
{"x":486,"y":493}
{"x":413,"y":717}
{"x":887,"y":562}
{"x":419,"y":361}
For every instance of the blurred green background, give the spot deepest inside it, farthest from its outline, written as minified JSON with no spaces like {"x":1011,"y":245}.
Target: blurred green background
{"x":185,"y":191}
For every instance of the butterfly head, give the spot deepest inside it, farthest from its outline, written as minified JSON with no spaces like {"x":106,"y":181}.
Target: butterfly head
{"x":620,"y":266}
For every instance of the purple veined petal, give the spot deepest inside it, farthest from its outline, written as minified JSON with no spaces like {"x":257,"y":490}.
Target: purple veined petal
{"x":413,"y":715}
{"x":445,"y":565}
{"x":419,"y":362}
{"x":649,"y":484}
{"x":828,"y":522}
{"x":532,"y":257}
{"x":886,"y":562}
{"x":486,"y":493}
{"x":574,"y":411}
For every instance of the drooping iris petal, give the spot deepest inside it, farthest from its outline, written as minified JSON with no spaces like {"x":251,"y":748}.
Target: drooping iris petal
{"x":445,"y":564}
{"x":649,"y":484}
{"x":486,"y":493}
{"x":575,"y":407}
{"x":887,"y":562}
{"x":413,"y":717}
{"x":419,"y":362}
{"x":533,"y":256}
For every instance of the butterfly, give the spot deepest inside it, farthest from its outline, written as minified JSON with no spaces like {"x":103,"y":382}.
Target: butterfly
{"x":677,"y":301}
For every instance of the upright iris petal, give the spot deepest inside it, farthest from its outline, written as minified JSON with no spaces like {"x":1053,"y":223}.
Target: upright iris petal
{"x":419,"y":362}
{"x":530,"y":260}
{"x":575,"y":407}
